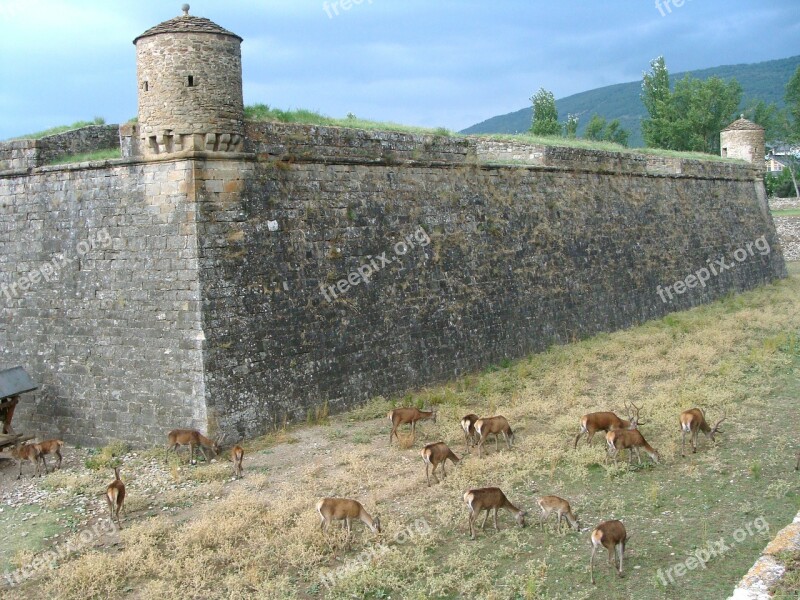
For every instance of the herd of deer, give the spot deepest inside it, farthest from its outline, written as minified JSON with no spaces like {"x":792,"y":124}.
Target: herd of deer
{"x":621,"y":434}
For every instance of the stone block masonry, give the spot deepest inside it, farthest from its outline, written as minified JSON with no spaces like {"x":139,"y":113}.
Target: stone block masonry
{"x":207,"y":309}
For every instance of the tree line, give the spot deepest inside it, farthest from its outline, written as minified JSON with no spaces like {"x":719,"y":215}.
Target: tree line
{"x":687,"y":116}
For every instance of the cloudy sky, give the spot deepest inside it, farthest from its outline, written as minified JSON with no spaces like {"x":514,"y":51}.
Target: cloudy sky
{"x":448,"y":63}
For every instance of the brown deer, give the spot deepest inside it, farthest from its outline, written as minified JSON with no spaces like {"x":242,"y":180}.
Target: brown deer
{"x":237,"y":456}
{"x":23,"y":452}
{"x":607,"y":421}
{"x":561,"y":507}
{"x":434,"y":455}
{"x":493,"y":426}
{"x":344,"y":509}
{"x":115,"y":497}
{"x":632,"y":439}
{"x":470,"y":435}
{"x":610,"y":535}
{"x":693,"y":421}
{"x":50,"y":447}
{"x":402,"y":416}
{"x":191,"y":438}
{"x":488,"y":499}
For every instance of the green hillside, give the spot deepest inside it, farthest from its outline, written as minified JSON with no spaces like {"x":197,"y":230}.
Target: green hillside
{"x":760,"y":81}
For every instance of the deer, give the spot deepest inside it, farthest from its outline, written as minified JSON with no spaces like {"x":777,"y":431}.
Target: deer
{"x":610,"y":535}
{"x":50,"y":447}
{"x":693,"y":421}
{"x":191,"y":438}
{"x":401,"y":416}
{"x":470,"y":435}
{"x":23,"y":452}
{"x":493,"y":426}
{"x":437,"y":454}
{"x":607,"y":421}
{"x":632,"y":439}
{"x":237,"y":455}
{"x":115,"y":497}
{"x":344,"y":509}
{"x":561,"y":507}
{"x":488,"y":499}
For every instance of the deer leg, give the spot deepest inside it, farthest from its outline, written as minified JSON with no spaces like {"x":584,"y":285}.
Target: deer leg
{"x":621,"y":550}
{"x":694,"y":442}
{"x":413,"y":431}
{"x":58,"y":453}
{"x":496,"y":528}
{"x":683,"y":441}
{"x":589,"y":436}
{"x":612,"y":557}
{"x":480,"y":446}
{"x":543,"y":517}
{"x":471,"y":520}
{"x":560,"y":516}
{"x":486,"y":518}
{"x":591,"y":563}
{"x":444,"y":471}
{"x":496,"y":446}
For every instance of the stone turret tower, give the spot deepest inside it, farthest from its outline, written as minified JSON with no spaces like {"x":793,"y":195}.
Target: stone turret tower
{"x":189,"y":73}
{"x":745,"y":140}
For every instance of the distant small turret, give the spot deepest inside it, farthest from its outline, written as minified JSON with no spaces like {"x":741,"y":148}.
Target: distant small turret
{"x":745,"y":140}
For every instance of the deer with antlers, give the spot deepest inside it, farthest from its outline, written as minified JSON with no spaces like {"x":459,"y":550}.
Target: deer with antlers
{"x":633,"y":441}
{"x":403,"y":416}
{"x":470,"y":435}
{"x":607,"y":421}
{"x":489,"y":499}
{"x":344,"y":509}
{"x":192,"y":438}
{"x":493,"y":426}
{"x":610,"y":535}
{"x":693,"y":421}
{"x":437,"y":454}
{"x":115,"y":497}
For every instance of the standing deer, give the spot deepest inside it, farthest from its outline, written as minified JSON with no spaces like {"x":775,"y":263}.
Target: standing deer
{"x":607,"y":421}
{"x":23,"y":452}
{"x":434,"y":455}
{"x":115,"y":497}
{"x":693,"y":421}
{"x":493,"y":426}
{"x":470,"y":435}
{"x":632,"y":439}
{"x":488,"y":499}
{"x":237,"y":456}
{"x":191,"y":438}
{"x":561,"y":507}
{"x":344,"y":509}
{"x":50,"y":447}
{"x":401,"y":416}
{"x":610,"y":535}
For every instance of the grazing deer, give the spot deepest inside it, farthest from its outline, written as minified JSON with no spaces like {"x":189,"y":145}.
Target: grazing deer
{"x":401,"y":416}
{"x":694,"y":421}
{"x":50,"y":447}
{"x":561,"y":507}
{"x":344,"y":509}
{"x":632,"y":439}
{"x":115,"y":497}
{"x":191,"y":438}
{"x":493,"y":426}
{"x":23,"y":452}
{"x":470,"y":435}
{"x":488,"y":499}
{"x":610,"y":535}
{"x":237,"y":456}
{"x":434,"y":455}
{"x":607,"y":421}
